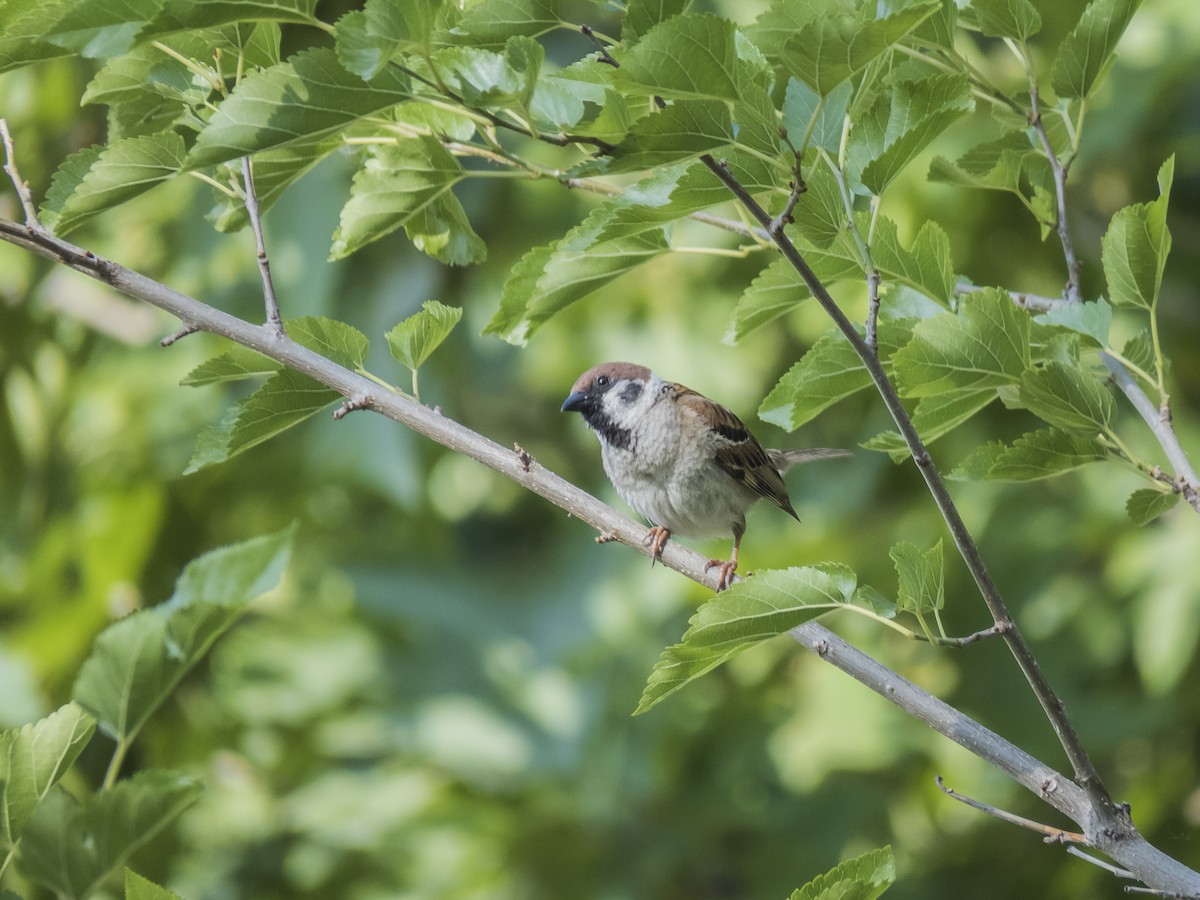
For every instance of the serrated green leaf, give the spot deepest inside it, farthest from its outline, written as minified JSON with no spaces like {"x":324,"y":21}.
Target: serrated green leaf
{"x":1087,"y":51}
{"x":137,"y":661}
{"x":864,"y":877}
{"x":642,"y":15}
{"x":1038,"y":454}
{"x":1139,"y":350}
{"x":831,"y":49}
{"x":1067,"y":396}
{"x":117,"y":173}
{"x":71,"y":848}
{"x":830,"y":371}
{"x":23,"y":24}
{"x":681,"y":131}
{"x":1090,"y":319}
{"x":821,"y":118}
{"x":307,"y":97}
{"x":746,"y":613}
{"x":236,"y":364}
{"x":342,"y":343}
{"x":993,"y":165}
{"x":689,"y":56}
{"x":274,"y":172}
{"x":821,"y":216}
{"x":1147,"y":504}
{"x":32,"y":760}
{"x":920,"y":572}
{"x":414,"y":339}
{"x":177,"y":15}
{"x":368,"y":39}
{"x":1016,"y":19}
{"x":550,"y":278}
{"x":784,"y":18}
{"x":901,"y":123}
{"x":867,"y":596}
{"x":986,"y":344}
{"x":927,"y":267}
{"x":139,"y":888}
{"x":408,"y":184}
{"x":777,"y":290}
{"x":934,"y":416}
{"x":101,"y":28}
{"x":491,"y":23}
{"x":1134,"y":248}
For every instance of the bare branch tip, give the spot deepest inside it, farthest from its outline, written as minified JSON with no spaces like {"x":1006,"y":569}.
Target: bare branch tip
{"x":179,"y":335}
{"x":22,"y":187}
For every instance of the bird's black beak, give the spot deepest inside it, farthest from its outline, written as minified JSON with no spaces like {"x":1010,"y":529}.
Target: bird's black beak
{"x":576,"y":402}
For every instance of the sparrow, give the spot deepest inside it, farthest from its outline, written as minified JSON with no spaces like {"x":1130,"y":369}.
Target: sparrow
{"x":683,"y":461}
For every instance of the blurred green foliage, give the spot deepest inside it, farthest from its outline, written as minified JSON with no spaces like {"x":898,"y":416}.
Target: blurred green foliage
{"x":438,"y":704}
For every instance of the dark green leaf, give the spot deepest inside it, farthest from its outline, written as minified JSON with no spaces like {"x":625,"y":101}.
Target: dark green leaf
{"x":102,"y":28}
{"x":119,"y":172}
{"x":1135,"y":247}
{"x":368,"y":39}
{"x":180,"y":14}
{"x":274,"y":172}
{"x":307,"y":97}
{"x":684,"y":130}
{"x":409,"y":184}
{"x":748,"y":612}
{"x":821,"y":118}
{"x":414,"y":339}
{"x":71,"y":848}
{"x":934,"y":416}
{"x":1092,"y":320}
{"x":1016,"y":19}
{"x":1087,"y":51}
{"x":1147,"y":504}
{"x":920,"y":572}
{"x":32,"y":760}
{"x":642,"y":15}
{"x":491,"y":23}
{"x":23,"y":25}
{"x":235,"y":364}
{"x":779,"y":289}
{"x":1039,"y":454}
{"x":1067,"y":396}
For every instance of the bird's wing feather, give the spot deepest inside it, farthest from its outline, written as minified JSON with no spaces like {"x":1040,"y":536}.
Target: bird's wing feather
{"x":737,"y":451}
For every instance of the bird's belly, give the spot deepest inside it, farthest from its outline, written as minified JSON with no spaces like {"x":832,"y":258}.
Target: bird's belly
{"x":695,"y":504}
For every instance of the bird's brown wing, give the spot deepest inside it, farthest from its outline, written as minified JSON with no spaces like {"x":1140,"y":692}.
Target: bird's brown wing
{"x":738,"y":452}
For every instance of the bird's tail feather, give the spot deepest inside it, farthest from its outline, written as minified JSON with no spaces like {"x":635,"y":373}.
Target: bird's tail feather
{"x":785,"y":459}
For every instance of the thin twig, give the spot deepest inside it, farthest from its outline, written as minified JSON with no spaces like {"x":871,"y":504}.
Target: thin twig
{"x":22,"y":186}
{"x":601,"y":48}
{"x":1072,"y":290}
{"x":797,"y":187}
{"x":1103,"y":864}
{"x":352,"y":404}
{"x":1084,"y":770}
{"x":274,"y":321}
{"x":873,"y":279}
{"x":1050,"y":834}
{"x":178,"y":335}
{"x":1155,"y":892}
{"x":983,"y":634}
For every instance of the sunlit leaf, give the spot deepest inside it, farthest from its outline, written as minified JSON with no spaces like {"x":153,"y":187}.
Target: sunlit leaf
{"x":23,"y":25}
{"x":1038,"y":454}
{"x":1090,"y":319}
{"x":1068,"y":397}
{"x":32,"y":760}
{"x":1087,"y":51}
{"x":921,"y":577}
{"x":864,"y":877}
{"x":139,"y":888}
{"x":137,"y":661}
{"x":684,"y":130}
{"x":368,"y":39}
{"x":414,"y":339}
{"x":935,"y":415}
{"x":688,"y":56}
{"x":1147,"y":504}
{"x":1135,"y":247}
{"x":746,"y":613}
{"x":1016,"y":19}
{"x":642,"y":15}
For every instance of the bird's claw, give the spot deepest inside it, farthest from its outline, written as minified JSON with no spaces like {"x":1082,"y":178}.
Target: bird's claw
{"x":656,"y":539}
{"x":725,"y":576}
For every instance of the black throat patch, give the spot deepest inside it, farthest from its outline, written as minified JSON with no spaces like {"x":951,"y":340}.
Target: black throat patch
{"x":610,"y":431}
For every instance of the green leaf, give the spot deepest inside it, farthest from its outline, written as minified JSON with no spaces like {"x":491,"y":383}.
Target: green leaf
{"x":139,"y":888}
{"x":550,"y":278}
{"x":414,"y":339}
{"x":409,"y":184}
{"x":684,"y":130}
{"x":101,"y":28}
{"x":368,"y":39}
{"x":1016,"y":19}
{"x":985,"y":345}
{"x":901,"y":123}
{"x":927,"y":267}
{"x":822,"y":118}
{"x":1135,"y":247}
{"x":750,"y":611}
{"x":688,"y":56}
{"x":71,"y":848}
{"x":830,"y":371}
{"x":993,"y":165}
{"x":1068,"y":397}
{"x":89,"y":183}
{"x":864,"y":877}
{"x":1086,"y":52}
{"x":642,"y":15}
{"x":342,"y":343}
{"x":784,"y":18}
{"x":1139,"y":350}
{"x":307,"y":97}
{"x":137,"y":661}
{"x":1038,"y":454}
{"x":274,"y":172}
{"x":1147,"y":504}
{"x":831,"y":49}
{"x":1090,"y":319}
{"x":23,"y":25}
{"x":236,"y":364}
{"x":920,"y":572}
{"x":177,"y":15}
{"x":821,"y":213}
{"x":491,"y":23}
{"x":32,"y":760}
{"x":934,"y":416}
{"x":777,"y":290}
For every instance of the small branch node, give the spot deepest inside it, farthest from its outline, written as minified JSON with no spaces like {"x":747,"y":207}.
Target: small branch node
{"x":1049,"y":786}
{"x":523,"y":457}
{"x":821,"y":648}
{"x":179,"y":335}
{"x":21,"y":186}
{"x":606,"y":537}
{"x":358,"y":401}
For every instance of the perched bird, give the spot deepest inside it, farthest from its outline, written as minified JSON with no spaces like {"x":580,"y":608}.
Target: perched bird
{"x":687,"y":464}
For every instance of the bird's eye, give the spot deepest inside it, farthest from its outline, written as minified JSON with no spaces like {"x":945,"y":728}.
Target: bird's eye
{"x":602,"y":381}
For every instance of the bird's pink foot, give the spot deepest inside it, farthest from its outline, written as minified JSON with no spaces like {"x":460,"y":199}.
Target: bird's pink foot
{"x":727,"y":568}
{"x":656,"y":539}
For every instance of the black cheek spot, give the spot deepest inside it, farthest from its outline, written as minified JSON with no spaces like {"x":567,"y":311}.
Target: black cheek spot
{"x":631,"y":392}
